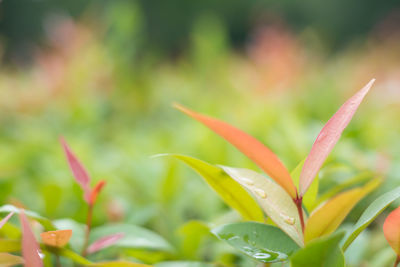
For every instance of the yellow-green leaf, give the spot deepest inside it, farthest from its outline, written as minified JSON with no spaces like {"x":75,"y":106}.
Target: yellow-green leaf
{"x":274,"y":200}
{"x":228,"y":189}
{"x":118,"y":264}
{"x":327,"y":218}
{"x":7,"y":259}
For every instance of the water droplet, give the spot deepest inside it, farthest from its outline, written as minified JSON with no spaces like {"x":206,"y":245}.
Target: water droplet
{"x":247,"y":181}
{"x":287,"y":219}
{"x":261,"y":193}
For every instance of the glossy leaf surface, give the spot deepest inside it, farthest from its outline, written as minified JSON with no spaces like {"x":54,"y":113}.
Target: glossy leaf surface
{"x":228,"y":189}
{"x":328,"y":137}
{"x":323,"y":252}
{"x":262,"y":242}
{"x":47,"y":224}
{"x":275,"y":201}
{"x":327,"y":218}
{"x":249,"y":146}
{"x":373,"y":210}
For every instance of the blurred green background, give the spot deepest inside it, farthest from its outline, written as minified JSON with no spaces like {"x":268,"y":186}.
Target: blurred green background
{"x":104,"y":74}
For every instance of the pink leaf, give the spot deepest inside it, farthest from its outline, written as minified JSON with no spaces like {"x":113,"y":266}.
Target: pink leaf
{"x":80,"y":173}
{"x":104,"y":242}
{"x":328,"y":137}
{"x":4,"y":221}
{"x":30,"y":248}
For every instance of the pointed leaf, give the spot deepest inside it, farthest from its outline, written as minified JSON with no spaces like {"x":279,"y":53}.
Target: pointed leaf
{"x":391,"y":230}
{"x":249,"y":146}
{"x":227,"y":188}
{"x":323,"y":252}
{"x":328,"y":137}
{"x":10,"y":260}
{"x":275,"y":201}
{"x":96,"y":190}
{"x":5,"y":219}
{"x":30,"y":248}
{"x":373,"y":210}
{"x":262,"y":242}
{"x":104,"y":242}
{"x":327,"y":218}
{"x":78,"y":170}
{"x":57,"y":238}
{"x":310,"y":196}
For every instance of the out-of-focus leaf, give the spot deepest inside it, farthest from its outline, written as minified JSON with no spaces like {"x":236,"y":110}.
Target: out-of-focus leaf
{"x":10,"y":260}
{"x":104,"y":242}
{"x":5,"y":219}
{"x":67,"y":254}
{"x":325,"y":219}
{"x":58,"y":238}
{"x":249,"y":146}
{"x":78,"y":170}
{"x":311,"y":194}
{"x":9,"y":245}
{"x":227,"y":188}
{"x":118,"y":264}
{"x":356,"y":180}
{"x":30,"y":248}
{"x":262,"y":242}
{"x":328,"y":137}
{"x":78,"y":230}
{"x":47,"y":224}
{"x":183,"y":264}
{"x":370,"y":214}
{"x":134,"y":237}
{"x":96,"y":190}
{"x":391,"y":230}
{"x":275,"y":201}
{"x":193,"y":233}
{"x":10,"y":231}
{"x":322,"y":252}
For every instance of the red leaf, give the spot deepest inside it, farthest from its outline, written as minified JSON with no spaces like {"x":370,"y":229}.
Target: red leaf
{"x":30,"y":248}
{"x":104,"y":242}
{"x":328,"y":137}
{"x":391,"y":230}
{"x":96,"y":190}
{"x":5,"y":219}
{"x":78,"y":170}
{"x":249,"y":146}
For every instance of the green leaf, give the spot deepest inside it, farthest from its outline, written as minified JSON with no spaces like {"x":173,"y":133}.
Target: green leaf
{"x":183,"y":264}
{"x":134,"y":237}
{"x":262,"y":242}
{"x":311,"y":194}
{"x":275,"y":201}
{"x":322,"y":252}
{"x":64,"y":252}
{"x":9,"y":245}
{"x":42,"y":220}
{"x":193,"y":234}
{"x":78,"y":230}
{"x":229,"y":190}
{"x":370,"y":214}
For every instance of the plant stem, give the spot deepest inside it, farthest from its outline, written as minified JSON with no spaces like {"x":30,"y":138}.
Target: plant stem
{"x":299,"y":204}
{"x":397,"y":261}
{"x":88,"y":228}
